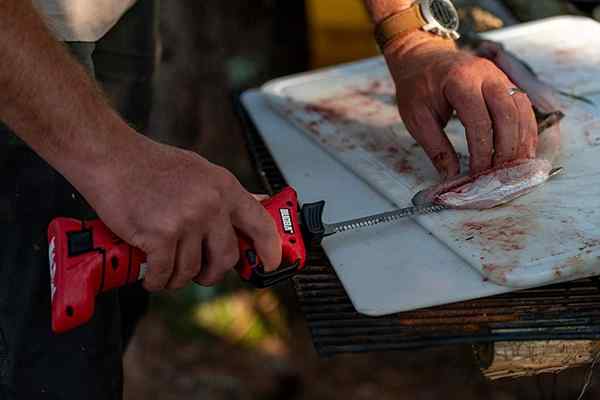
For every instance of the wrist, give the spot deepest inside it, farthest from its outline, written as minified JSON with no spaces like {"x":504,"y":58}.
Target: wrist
{"x":94,"y":155}
{"x":417,"y":42}
{"x":382,"y":9}
{"x":417,"y":53}
{"x":436,"y":16}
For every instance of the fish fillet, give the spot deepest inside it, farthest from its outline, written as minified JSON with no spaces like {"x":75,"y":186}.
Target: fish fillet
{"x":491,"y":188}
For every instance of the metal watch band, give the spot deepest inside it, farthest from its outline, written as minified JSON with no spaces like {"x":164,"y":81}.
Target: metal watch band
{"x":397,"y":24}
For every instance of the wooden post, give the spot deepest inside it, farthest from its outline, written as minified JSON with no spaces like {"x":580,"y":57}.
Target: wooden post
{"x":518,"y":359}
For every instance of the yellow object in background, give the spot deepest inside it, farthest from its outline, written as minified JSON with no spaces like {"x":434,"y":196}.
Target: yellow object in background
{"x":339,"y":31}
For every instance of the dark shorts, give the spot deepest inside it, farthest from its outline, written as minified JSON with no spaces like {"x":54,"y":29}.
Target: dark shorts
{"x":85,"y":363}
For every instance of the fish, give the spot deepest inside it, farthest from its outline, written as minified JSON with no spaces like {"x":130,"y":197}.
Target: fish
{"x":490,"y":188}
{"x":503,"y":184}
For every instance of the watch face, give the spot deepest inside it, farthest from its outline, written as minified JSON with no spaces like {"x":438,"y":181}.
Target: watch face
{"x":444,"y":13}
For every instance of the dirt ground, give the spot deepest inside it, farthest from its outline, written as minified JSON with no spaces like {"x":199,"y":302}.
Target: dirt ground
{"x":205,"y":59}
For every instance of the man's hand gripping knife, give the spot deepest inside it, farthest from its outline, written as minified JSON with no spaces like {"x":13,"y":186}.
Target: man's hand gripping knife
{"x":182,"y":211}
{"x":86,"y":258}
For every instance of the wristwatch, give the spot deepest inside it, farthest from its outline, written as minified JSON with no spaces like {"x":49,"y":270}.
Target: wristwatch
{"x":436,"y":16}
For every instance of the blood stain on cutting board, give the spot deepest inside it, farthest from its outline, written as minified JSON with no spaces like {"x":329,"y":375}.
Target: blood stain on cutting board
{"x":572,"y":266}
{"x":500,"y":238}
{"x":327,"y":113}
{"x":507,"y":236}
{"x":592,"y":133}
{"x":363,"y":117}
{"x":566,"y":56}
{"x":497,"y":273}
{"x":587,"y":245}
{"x":503,"y":233}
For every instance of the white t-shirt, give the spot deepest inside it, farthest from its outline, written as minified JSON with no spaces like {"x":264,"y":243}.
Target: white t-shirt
{"x":82,"y":20}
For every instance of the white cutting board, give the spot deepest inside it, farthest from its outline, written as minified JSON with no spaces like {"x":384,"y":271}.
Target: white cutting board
{"x":385,"y":269}
{"x":550,"y":235}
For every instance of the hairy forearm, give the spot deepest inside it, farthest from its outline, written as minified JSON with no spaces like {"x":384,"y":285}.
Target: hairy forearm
{"x":49,"y":100}
{"x":380,"y":9}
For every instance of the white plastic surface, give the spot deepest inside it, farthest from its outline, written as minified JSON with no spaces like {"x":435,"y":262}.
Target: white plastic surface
{"x":386,"y":269}
{"x":550,"y":235}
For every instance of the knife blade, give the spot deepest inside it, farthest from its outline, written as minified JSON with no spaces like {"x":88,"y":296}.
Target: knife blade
{"x":314,"y":229}
{"x":380,"y":218}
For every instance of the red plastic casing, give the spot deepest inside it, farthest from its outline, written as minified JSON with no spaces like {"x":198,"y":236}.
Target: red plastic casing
{"x":76,"y":279}
{"x":283,"y":207}
{"x":108,"y":262}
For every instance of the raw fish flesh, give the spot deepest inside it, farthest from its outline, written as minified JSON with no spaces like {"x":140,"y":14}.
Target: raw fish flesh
{"x":491,"y":188}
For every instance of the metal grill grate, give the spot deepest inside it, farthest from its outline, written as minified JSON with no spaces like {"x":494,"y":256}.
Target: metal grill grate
{"x":566,"y":311}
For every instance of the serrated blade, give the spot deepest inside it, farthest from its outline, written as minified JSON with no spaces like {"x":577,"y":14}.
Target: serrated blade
{"x":381,"y":218}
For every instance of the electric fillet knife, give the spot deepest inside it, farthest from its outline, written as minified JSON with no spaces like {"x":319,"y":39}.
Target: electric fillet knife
{"x":86,"y":258}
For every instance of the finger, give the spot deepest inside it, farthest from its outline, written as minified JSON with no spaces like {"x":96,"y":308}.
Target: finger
{"x":222,"y":254}
{"x":260,"y":197}
{"x":253,"y":220}
{"x":467,"y":99}
{"x":187,"y":261}
{"x":528,"y":132}
{"x":427,"y":130}
{"x":505,"y":120}
{"x":160,"y":267}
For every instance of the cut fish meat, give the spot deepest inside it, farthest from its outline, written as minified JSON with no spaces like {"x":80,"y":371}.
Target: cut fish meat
{"x":491,"y":188}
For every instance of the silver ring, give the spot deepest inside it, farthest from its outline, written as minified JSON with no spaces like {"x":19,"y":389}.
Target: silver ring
{"x":515,"y":90}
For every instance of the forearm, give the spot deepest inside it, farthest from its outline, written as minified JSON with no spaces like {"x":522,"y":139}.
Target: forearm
{"x":48,"y":99}
{"x":381,"y":9}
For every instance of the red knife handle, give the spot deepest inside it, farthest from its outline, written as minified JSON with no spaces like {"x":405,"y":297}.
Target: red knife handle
{"x":86,"y":258}
{"x":284,"y":210}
